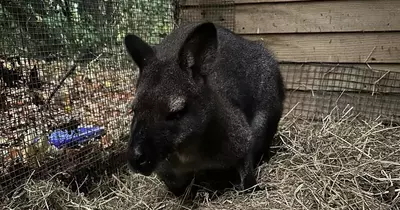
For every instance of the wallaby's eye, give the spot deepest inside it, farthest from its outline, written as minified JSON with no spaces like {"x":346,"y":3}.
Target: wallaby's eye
{"x":177,"y":108}
{"x":176,"y":115}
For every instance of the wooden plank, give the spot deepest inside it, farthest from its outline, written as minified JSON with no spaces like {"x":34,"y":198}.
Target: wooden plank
{"x":315,"y":77}
{"x":320,"y":104}
{"x":318,"y":16}
{"x":334,"y":47}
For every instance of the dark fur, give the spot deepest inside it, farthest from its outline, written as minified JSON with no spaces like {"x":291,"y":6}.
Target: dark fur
{"x":233,"y":94}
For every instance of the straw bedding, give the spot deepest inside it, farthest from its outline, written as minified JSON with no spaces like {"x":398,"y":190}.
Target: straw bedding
{"x":339,"y":162}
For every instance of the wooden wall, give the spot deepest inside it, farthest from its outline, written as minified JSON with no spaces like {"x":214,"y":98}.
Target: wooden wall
{"x":349,"y":32}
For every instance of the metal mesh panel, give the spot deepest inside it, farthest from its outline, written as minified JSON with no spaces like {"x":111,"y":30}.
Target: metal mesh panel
{"x":66,"y":80}
{"x":221,"y":12}
{"x":317,"y":90}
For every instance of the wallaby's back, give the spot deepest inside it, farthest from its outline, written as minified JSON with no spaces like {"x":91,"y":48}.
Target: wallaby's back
{"x":244,"y":72}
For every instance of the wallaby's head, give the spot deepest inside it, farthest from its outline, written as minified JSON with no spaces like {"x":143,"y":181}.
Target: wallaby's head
{"x":172,"y":104}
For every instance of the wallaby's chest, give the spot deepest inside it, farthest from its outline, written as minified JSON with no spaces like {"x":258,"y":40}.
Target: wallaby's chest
{"x":192,"y":160}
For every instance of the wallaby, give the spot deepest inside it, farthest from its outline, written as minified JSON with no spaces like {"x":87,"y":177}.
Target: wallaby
{"x":206,"y":99}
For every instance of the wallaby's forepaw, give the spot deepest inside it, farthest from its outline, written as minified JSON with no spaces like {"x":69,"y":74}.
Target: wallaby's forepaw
{"x":238,"y":187}
{"x":248,"y":183}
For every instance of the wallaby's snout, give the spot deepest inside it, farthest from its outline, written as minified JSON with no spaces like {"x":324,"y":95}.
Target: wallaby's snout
{"x":139,"y":157}
{"x":139,"y":162}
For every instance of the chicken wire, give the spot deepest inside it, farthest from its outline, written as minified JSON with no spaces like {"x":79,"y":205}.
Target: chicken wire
{"x":315,"y":91}
{"x":64,"y":74}
{"x":221,"y":12}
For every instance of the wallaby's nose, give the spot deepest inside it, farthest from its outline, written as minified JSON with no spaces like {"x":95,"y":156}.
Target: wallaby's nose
{"x":140,"y":159}
{"x":139,"y":162}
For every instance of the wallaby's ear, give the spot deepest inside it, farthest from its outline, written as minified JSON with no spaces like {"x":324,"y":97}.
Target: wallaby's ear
{"x":199,"y":50}
{"x":138,"y":49}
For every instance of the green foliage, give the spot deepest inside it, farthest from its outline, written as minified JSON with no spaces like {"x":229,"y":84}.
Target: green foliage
{"x":73,"y":28}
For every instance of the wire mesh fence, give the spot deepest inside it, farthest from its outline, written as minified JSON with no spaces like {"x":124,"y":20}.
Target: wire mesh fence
{"x":65,"y":82}
{"x":221,"y":12}
{"x":319,"y":90}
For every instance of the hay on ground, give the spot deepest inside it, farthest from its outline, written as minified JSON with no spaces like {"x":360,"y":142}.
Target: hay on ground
{"x":345,"y":163}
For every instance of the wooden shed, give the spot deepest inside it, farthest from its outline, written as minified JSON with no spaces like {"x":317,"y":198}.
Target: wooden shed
{"x":330,"y":51}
